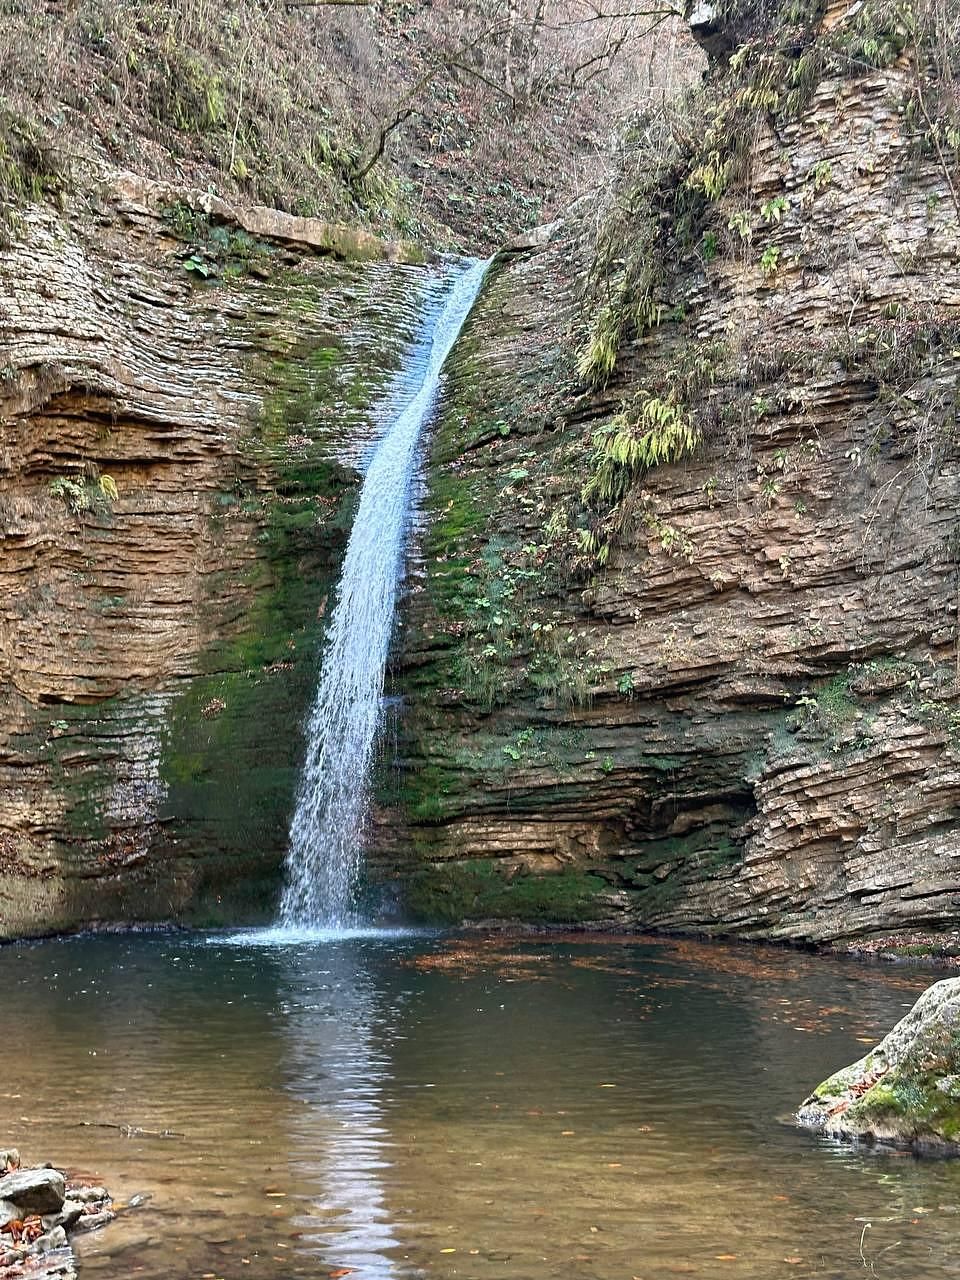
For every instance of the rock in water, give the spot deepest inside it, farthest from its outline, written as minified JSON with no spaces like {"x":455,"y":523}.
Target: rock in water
{"x":906,"y":1091}
{"x":34,"y":1190}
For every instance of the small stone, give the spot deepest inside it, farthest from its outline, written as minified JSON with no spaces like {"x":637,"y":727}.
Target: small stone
{"x":86,"y":1195}
{"x":8,"y":1212}
{"x":34,"y":1190}
{"x":9,"y":1159}
{"x":55,"y":1239}
{"x":67,"y":1216}
{"x":90,"y":1221}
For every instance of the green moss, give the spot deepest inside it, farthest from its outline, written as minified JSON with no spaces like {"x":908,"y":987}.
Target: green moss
{"x":909,"y":1104}
{"x":30,"y":170}
{"x":233,"y":740}
{"x":482,"y":889}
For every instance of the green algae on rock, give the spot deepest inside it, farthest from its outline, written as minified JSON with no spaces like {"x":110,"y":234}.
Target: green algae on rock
{"x":906,"y":1091}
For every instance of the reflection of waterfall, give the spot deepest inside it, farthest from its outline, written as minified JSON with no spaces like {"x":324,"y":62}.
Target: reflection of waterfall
{"x":327,"y":829}
{"x":337,"y":1065}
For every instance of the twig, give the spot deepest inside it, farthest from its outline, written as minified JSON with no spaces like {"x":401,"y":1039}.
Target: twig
{"x":866,"y":1226}
{"x":129,"y":1130}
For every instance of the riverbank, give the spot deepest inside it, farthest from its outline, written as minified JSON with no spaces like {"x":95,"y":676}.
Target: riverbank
{"x":42,"y":1212}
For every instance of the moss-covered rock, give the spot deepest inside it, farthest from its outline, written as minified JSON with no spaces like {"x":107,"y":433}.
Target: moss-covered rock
{"x":485,"y":889}
{"x":906,"y":1091}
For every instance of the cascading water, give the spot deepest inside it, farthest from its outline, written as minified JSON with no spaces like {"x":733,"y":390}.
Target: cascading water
{"x":326,"y":834}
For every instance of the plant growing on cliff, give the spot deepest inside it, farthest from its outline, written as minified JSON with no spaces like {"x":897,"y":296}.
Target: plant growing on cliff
{"x":85,"y":492}
{"x":658,"y":431}
{"x":30,"y":170}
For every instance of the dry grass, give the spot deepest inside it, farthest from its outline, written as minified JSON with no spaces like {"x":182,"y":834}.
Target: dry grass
{"x":282,"y":105}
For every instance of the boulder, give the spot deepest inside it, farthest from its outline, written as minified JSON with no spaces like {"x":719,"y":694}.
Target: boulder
{"x":34,"y":1190}
{"x":707,"y":26}
{"x":906,"y":1091}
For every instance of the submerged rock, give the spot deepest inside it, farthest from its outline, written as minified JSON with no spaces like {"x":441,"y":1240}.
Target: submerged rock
{"x":906,"y":1091}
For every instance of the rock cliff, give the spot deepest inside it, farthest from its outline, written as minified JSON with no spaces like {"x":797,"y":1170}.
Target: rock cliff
{"x":714,"y":689}
{"x":180,"y":424}
{"x":679,"y":645}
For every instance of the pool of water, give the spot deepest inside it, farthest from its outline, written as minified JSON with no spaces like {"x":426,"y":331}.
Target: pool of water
{"x":424,"y":1105}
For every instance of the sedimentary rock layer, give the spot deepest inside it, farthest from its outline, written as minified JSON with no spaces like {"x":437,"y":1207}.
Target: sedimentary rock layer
{"x":180,"y":428}
{"x":746,"y":719}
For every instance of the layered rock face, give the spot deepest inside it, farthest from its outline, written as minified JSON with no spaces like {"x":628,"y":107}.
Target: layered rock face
{"x":730,"y":703}
{"x":710,"y":685}
{"x":179,"y":438}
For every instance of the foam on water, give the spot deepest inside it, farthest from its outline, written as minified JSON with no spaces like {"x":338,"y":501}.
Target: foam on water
{"x":312,"y":936}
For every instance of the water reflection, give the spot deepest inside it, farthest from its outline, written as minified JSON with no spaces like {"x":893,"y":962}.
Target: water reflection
{"x":337,"y":1065}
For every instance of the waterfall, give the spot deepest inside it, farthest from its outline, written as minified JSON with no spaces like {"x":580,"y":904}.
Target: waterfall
{"x":326,"y":834}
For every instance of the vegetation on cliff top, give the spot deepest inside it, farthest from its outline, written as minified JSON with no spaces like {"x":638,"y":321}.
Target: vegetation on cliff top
{"x":454,"y":123}
{"x":683,"y":206}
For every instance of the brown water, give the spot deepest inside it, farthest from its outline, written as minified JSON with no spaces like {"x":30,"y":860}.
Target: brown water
{"x":474,"y":1108}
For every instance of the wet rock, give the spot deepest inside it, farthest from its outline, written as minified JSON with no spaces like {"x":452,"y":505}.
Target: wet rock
{"x":34,"y":1190}
{"x":35,"y":1218}
{"x":53,"y":1239}
{"x":90,"y":1221}
{"x":57,"y":1264}
{"x":906,"y":1091}
{"x":71,"y":1211}
{"x":89,"y":1195}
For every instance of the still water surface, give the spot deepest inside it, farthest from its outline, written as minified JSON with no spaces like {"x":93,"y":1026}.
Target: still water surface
{"x":591,"y":1109}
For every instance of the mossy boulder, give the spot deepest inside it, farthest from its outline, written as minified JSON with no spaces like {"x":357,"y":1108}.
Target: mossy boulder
{"x":906,"y":1091}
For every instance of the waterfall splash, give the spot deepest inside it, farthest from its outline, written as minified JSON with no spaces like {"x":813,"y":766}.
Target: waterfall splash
{"x":326,"y":834}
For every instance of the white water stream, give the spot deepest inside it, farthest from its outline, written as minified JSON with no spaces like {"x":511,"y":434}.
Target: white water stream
{"x":326,"y":835}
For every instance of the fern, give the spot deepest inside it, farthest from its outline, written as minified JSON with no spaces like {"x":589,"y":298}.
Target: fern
{"x":599,"y":357}
{"x":660,"y":434}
